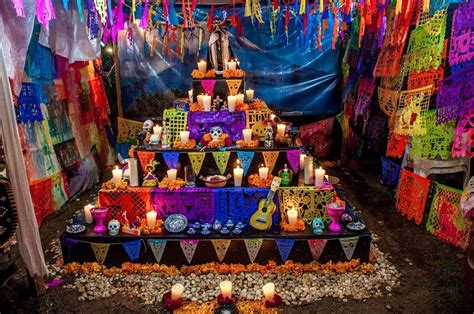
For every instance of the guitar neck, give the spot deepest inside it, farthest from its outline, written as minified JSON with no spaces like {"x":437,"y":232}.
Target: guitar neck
{"x":274,"y":187}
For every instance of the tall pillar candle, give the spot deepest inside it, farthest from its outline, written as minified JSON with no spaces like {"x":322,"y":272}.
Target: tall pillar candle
{"x":308,"y":170}
{"x":116,"y":175}
{"x":133,"y":166}
{"x":319,"y":176}
{"x":231,"y":103}
{"x":199,"y":99}
{"x":238,"y":174}
{"x":190,"y":95}
{"x":281,"y":129}
{"x":206,"y":101}
{"x":247,"y":135}
{"x":249,"y":93}
{"x":302,"y":157}
{"x":151,"y":219}
{"x":263,"y":172}
{"x":232,"y":65}
{"x":292,"y":216}
{"x":88,"y":214}
{"x":172,"y":174}
{"x":239,"y":99}
{"x":202,"y":66}
{"x":269,"y":291}
{"x":157,"y":130}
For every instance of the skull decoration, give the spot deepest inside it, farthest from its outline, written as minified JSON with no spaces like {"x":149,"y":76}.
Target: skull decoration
{"x":216,"y":133}
{"x":148,"y":126}
{"x":114,"y":227}
{"x":318,"y":225}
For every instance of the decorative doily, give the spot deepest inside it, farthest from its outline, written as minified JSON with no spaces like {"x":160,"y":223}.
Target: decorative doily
{"x":412,"y":194}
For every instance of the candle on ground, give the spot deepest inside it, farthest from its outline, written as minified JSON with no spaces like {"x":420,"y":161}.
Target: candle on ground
{"x":87,"y":213}
{"x":206,"y":101}
{"x":226,"y":288}
{"x":232,"y":65}
{"x":292,"y":216}
{"x":177,"y":291}
{"x":151,"y":218}
{"x":117,"y":175}
{"x":319,"y":176}
{"x":269,"y":291}
{"x":281,"y":129}
{"x":247,"y":135}
{"x":263,"y":172}
{"x":231,"y":103}
{"x":172,"y":174}
{"x":239,"y":99}
{"x":249,"y":93}
{"x":184,"y":135}
{"x":202,"y":66}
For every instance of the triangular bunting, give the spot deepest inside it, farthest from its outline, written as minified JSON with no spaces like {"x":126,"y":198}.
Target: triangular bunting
{"x":100,"y":251}
{"x":349,"y":245}
{"x":133,"y":249}
{"x":253,"y":247}
{"x":245,"y":160}
{"x":196,"y":161}
{"x":188,"y":247}
{"x":208,"y":86}
{"x":157,"y":248}
{"x":234,"y":86}
{"x":221,"y":246}
{"x":293,"y":157}
{"x":221,"y":159}
{"x":284,"y":247}
{"x":145,"y":158}
{"x":316,"y":247}
{"x":171,"y":159}
{"x":270,"y":159}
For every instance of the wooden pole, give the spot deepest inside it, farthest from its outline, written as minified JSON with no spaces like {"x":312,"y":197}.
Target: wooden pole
{"x":118,"y":87}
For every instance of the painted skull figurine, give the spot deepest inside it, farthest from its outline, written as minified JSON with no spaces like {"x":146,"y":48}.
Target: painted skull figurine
{"x":114,"y":227}
{"x":318,"y":225}
{"x":148,"y":126}
{"x":216,"y":133}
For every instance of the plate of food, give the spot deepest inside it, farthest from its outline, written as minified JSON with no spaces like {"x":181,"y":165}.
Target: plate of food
{"x":215,"y":181}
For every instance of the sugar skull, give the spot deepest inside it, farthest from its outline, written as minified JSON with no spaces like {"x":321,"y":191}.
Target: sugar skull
{"x":318,"y":225}
{"x":216,"y":133}
{"x":148,"y":126}
{"x":114,"y":227}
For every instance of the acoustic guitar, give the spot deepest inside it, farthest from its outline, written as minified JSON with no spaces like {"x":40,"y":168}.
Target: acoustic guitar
{"x":262,"y":218}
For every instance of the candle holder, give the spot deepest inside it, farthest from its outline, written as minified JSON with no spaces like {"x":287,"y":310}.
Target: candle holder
{"x":99,"y":214}
{"x":335,"y":211}
{"x":169,"y":303}
{"x":221,"y":299}
{"x":275,"y":302}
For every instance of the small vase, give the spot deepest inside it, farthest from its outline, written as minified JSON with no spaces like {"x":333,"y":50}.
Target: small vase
{"x":99,"y":214}
{"x":335,"y":211}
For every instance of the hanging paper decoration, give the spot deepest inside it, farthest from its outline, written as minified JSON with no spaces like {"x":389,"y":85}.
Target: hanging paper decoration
{"x":233,"y":86}
{"x":396,"y":144}
{"x":437,"y":140}
{"x":390,"y":173}
{"x":196,"y":158}
{"x":316,"y":246}
{"x":284,"y":247}
{"x":412,"y":108}
{"x":425,"y":78}
{"x":208,"y":86}
{"x":245,"y":158}
{"x":19,"y":8}
{"x":188,"y":247}
{"x":221,"y":159}
{"x":253,"y":247}
{"x":221,"y":247}
{"x":100,"y":251}
{"x":364,"y":97}
{"x":157,"y":248}
{"x":101,"y":8}
{"x":463,"y":142}
{"x":293,"y":157}
{"x":467,"y":199}
{"x":253,"y":9}
{"x":144,"y":19}
{"x":45,"y":12}
{"x":171,"y":159}
{"x":349,"y":245}
{"x":412,"y":194}
{"x":270,"y":159}
{"x":446,"y":220}
{"x":462,"y":49}
{"x":145,"y":158}
{"x":133,"y":249}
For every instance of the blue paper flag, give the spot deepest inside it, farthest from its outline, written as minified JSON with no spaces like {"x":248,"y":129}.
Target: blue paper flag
{"x":133,"y":249}
{"x":245,"y":160}
{"x":171,"y":159}
{"x":284,"y":247}
{"x":390,"y":173}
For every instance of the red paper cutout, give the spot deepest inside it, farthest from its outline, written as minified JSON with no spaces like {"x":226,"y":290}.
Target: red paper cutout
{"x":412,"y":194}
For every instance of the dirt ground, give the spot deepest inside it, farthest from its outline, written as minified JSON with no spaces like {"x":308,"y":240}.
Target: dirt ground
{"x":432,"y":271}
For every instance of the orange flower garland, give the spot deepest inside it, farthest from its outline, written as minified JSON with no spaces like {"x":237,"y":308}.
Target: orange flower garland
{"x":233,"y":73}
{"x":242,"y":107}
{"x":215,"y":144}
{"x":298,"y":226}
{"x":256,"y":181}
{"x":180,"y":145}
{"x":258,"y":104}
{"x":171,"y":185}
{"x":110,"y":185}
{"x":200,"y":75}
{"x":157,"y":228}
{"x":196,"y":107}
{"x":242,"y":143}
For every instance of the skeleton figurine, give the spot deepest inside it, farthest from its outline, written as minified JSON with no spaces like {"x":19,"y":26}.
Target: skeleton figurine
{"x":269,"y":142}
{"x":216,"y":133}
{"x":114,"y":227}
{"x":148,"y":126}
{"x":219,"y":47}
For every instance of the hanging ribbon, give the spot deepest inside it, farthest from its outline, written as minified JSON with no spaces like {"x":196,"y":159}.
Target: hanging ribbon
{"x":157,"y":248}
{"x":221,"y":159}
{"x":171,"y":159}
{"x":100,"y":251}
{"x":145,"y":158}
{"x":19,"y":8}
{"x":245,"y":158}
{"x":270,"y":159}
{"x":45,"y":12}
{"x":221,"y":247}
{"x":208,"y":86}
{"x":293,"y":157}
{"x":253,"y":247}
{"x":133,"y":249}
{"x":144,"y":19}
{"x":316,"y":246}
{"x":101,"y":8}
{"x":349,"y":246}
{"x":284,"y":247}
{"x":233,"y":86}
{"x":188,"y":247}
{"x":197,"y":158}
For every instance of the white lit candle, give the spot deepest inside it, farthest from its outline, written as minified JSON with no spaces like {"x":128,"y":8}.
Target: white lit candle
{"x":269,"y":291}
{"x":281,"y":129}
{"x":87,"y":213}
{"x":184,"y":135}
{"x":272,"y":116}
{"x":249,"y":93}
{"x":302,"y":157}
{"x":239,"y":99}
{"x":116,"y":175}
{"x":226,"y":288}
{"x":202,"y":66}
{"x":190,"y":95}
{"x":172,"y":174}
{"x":151,"y":218}
{"x":263,"y":172}
{"x":247,"y":135}
{"x":157,"y":130}
{"x":177,"y":291}
{"x":292,"y":216}
{"x":206,"y":101}
{"x":238,"y":174}
{"x":232,"y":65}
{"x":308,"y":170}
{"x":199,"y":99}
{"x":231,"y":103}
{"x":319,"y":176}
